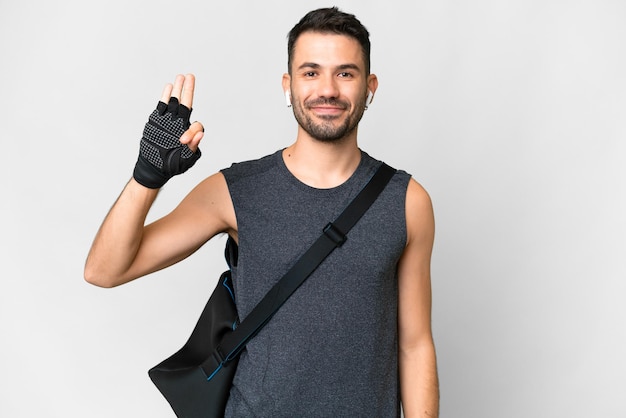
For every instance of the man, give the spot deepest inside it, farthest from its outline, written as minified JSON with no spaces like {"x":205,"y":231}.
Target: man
{"x":356,"y":337}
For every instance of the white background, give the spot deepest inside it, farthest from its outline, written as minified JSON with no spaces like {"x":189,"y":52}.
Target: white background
{"x":510,"y":113}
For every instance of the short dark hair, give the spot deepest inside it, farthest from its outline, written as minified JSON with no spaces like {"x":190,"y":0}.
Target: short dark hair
{"x":330,"y":20}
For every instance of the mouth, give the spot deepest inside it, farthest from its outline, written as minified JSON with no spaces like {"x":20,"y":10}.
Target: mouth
{"x":327,"y":108}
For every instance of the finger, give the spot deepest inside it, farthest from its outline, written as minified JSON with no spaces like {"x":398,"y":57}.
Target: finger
{"x":178,"y":86}
{"x":198,"y":126}
{"x":189,"y":85}
{"x":192,"y":140}
{"x":193,"y":135}
{"x":167,"y":93}
{"x":195,"y":142}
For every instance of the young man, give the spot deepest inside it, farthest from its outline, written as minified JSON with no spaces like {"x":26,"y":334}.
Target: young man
{"x":356,"y":337}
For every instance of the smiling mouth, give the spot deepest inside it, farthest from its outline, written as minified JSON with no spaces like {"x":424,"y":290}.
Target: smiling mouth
{"x":327,"y":108}
{"x":324,"y":104}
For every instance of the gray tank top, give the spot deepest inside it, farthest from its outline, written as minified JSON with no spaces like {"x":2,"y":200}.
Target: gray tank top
{"x":331,"y":349}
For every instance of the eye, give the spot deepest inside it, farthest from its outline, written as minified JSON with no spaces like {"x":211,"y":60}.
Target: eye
{"x":344,"y":74}
{"x":310,"y":74}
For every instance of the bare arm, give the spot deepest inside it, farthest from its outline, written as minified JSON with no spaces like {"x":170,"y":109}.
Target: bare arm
{"x":418,"y":365}
{"x":119,"y":238}
{"x":125,"y":249}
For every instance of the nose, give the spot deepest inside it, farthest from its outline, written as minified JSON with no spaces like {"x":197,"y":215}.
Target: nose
{"x":327,"y":87}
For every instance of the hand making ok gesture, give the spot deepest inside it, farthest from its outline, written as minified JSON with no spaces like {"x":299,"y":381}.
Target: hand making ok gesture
{"x":169,"y":145}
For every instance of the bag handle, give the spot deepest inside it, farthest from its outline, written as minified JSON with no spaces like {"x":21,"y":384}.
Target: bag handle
{"x":333,"y":236}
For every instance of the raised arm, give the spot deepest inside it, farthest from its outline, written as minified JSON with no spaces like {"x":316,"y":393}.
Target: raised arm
{"x":418,"y":366}
{"x":124,"y":248}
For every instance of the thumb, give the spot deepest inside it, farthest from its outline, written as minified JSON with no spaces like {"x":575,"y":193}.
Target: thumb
{"x":193,"y":136}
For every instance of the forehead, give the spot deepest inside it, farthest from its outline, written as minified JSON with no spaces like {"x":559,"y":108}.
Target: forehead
{"x":327,"y":49}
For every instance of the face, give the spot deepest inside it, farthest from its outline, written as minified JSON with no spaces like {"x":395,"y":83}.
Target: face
{"x":328,"y":85}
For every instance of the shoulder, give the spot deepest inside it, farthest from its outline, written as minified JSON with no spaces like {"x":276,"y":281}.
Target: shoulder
{"x":419,"y":212}
{"x":250,"y":168}
{"x":417,"y":197}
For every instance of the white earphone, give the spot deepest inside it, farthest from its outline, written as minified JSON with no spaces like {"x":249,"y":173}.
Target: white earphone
{"x":288,"y":98}
{"x":368,"y":100}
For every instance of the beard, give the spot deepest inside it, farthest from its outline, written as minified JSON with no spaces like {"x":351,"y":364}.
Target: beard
{"x":327,"y":128}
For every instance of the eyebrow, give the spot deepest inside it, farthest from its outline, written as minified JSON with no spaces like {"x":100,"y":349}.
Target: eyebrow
{"x":314,"y":65}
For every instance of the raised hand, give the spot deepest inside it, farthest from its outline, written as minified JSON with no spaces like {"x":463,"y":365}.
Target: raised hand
{"x":169,"y":145}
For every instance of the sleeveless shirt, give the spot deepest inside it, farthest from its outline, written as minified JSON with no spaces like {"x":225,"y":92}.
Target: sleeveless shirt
{"x":331,"y":350}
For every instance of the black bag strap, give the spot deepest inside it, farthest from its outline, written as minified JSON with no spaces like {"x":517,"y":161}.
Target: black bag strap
{"x":333,"y":236}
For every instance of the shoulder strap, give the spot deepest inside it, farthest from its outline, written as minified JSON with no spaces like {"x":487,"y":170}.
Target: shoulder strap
{"x":333,"y":236}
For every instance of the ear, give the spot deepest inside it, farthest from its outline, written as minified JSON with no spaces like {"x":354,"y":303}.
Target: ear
{"x":287,"y":89}
{"x":372,"y":85}
{"x":286,"y":83}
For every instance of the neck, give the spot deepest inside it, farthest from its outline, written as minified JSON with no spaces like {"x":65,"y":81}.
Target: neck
{"x":320,"y":164}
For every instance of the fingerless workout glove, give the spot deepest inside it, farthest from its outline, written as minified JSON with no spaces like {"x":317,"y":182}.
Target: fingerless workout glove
{"x":161,"y":154}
